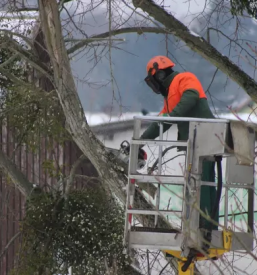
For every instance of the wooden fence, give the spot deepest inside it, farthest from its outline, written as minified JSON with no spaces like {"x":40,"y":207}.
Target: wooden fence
{"x":31,"y":164}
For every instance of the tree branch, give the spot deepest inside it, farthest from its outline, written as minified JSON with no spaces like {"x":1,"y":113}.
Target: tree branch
{"x":199,"y":45}
{"x":18,"y":81}
{"x":72,"y":173}
{"x":8,"y":61}
{"x":17,"y":177}
{"x":26,"y":9}
{"x":88,"y":178}
{"x":89,"y":40}
{"x":26,"y":39}
{"x":29,"y":57}
{"x":9,"y":244}
{"x":19,"y":17}
{"x":115,"y":32}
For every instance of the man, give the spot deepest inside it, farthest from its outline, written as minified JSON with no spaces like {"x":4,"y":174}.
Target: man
{"x":183,"y":97}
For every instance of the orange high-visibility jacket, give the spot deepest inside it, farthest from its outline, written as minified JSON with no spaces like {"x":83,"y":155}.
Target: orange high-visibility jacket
{"x":181,"y":82}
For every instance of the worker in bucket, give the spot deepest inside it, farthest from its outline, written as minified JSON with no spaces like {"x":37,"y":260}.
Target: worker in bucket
{"x":183,"y":96}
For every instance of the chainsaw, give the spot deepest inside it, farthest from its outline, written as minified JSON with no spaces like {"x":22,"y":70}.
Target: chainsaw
{"x":124,"y":151}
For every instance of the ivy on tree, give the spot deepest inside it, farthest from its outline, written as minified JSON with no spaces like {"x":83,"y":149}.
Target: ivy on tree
{"x":239,"y":6}
{"x":31,"y":112}
{"x":79,"y":232}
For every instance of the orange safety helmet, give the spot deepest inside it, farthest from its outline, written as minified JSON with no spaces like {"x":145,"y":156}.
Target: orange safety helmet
{"x":162,"y":61}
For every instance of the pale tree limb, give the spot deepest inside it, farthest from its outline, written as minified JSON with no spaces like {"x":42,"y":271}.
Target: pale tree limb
{"x":26,"y":55}
{"x":139,"y":30}
{"x":16,"y":34}
{"x":70,"y":102}
{"x":10,"y":60}
{"x":9,"y":244}
{"x":88,"y":178}
{"x":89,"y":40}
{"x":72,"y":173}
{"x":17,"y":177}
{"x":199,"y":45}
{"x":110,"y":170}
{"x":14,"y":78}
{"x":18,"y":17}
{"x":21,"y":83}
{"x":60,"y":183}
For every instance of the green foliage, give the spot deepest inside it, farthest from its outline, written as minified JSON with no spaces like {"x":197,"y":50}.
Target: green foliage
{"x":34,"y":114}
{"x":31,"y":111}
{"x":82,"y":231}
{"x":50,"y":168}
{"x":14,"y":67}
{"x":239,"y":6}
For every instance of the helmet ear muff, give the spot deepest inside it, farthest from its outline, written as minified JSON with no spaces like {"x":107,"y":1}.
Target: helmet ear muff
{"x":160,"y":75}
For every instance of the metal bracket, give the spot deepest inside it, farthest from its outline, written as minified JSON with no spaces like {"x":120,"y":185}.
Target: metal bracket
{"x":227,"y":239}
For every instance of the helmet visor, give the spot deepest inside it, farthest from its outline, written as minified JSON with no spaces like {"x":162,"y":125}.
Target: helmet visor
{"x":153,"y":84}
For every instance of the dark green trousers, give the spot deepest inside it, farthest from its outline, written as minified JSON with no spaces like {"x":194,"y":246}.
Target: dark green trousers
{"x":208,"y":195}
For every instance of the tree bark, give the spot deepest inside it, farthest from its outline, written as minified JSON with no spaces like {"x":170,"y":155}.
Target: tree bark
{"x":108,"y":168}
{"x":199,"y":45}
{"x":64,"y":83}
{"x":17,"y":177}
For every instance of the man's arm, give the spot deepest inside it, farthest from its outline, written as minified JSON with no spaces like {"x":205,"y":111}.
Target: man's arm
{"x":188,"y":101}
{"x":152,"y":131}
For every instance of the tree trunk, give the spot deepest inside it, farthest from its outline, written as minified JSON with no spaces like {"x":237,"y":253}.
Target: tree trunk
{"x":109,"y":169}
{"x":17,"y":177}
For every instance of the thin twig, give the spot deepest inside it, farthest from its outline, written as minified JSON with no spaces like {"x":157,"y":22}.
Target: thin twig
{"x":9,"y":244}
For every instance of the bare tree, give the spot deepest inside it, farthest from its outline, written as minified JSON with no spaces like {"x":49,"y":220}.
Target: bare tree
{"x":57,"y":74}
